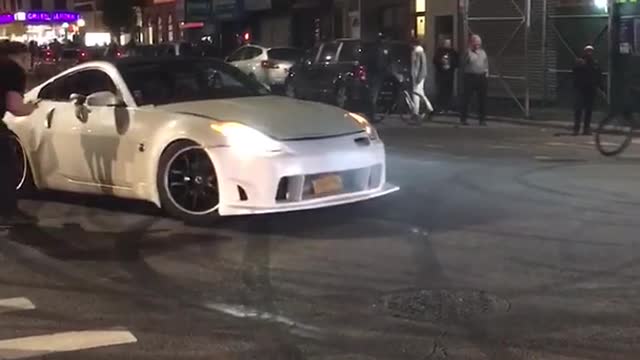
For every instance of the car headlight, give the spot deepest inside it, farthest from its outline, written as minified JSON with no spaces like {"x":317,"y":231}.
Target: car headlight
{"x":246,"y":139}
{"x":366,"y":125}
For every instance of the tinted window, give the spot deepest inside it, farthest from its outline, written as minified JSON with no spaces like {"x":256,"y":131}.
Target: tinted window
{"x":252,"y":52}
{"x":70,"y":54}
{"x":182,"y":81}
{"x":187,"y":50}
{"x":351,"y":51}
{"x":84,"y":83}
{"x":237,"y":55}
{"x":285,"y":54}
{"x":328,"y":53}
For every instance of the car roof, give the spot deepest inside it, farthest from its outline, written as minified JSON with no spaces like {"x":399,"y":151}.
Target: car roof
{"x":142,"y":60}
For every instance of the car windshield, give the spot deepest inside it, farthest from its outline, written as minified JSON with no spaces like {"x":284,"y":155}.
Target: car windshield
{"x":164,"y":82}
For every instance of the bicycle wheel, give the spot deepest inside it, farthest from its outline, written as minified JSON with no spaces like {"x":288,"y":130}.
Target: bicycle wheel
{"x":405,"y":109}
{"x":614,"y":134}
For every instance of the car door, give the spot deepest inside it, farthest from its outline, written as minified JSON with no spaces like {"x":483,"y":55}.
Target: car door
{"x":237,"y":58}
{"x":253,"y":62}
{"x":108,"y":146}
{"x":58,"y":138}
{"x":322,"y":70}
{"x":302,"y":73}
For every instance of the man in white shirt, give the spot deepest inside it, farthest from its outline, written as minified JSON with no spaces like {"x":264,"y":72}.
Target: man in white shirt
{"x":418,"y":77}
{"x":476,"y":79}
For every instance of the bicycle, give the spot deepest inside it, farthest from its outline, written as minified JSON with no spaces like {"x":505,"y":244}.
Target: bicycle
{"x":616,"y":131}
{"x":396,"y":97}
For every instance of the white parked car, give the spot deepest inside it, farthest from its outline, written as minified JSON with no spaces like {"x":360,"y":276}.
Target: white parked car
{"x":268,"y":65}
{"x":196,"y":137}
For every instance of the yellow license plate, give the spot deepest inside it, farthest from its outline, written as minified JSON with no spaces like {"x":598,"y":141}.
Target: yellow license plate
{"x":327,"y":184}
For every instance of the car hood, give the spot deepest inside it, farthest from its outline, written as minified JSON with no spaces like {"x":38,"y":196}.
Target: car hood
{"x":279,"y":117}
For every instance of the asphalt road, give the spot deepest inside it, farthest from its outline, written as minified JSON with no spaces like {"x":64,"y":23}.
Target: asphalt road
{"x":504,"y":243}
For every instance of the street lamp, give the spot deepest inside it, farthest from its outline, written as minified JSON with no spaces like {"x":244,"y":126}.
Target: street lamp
{"x":81,"y":23}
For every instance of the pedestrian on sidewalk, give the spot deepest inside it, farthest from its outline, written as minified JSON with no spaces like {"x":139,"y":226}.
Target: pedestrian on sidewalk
{"x":476,"y":79}
{"x":15,"y":59}
{"x":587,"y":79}
{"x":418,"y":77}
{"x":445,"y":61}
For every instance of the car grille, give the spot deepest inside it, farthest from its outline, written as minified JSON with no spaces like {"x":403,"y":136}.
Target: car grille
{"x":306,"y":187}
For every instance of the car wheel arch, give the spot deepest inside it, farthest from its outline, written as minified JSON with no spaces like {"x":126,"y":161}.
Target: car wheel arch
{"x":35,"y":176}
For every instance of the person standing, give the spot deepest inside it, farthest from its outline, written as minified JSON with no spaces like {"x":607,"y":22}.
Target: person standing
{"x":587,"y":78}
{"x":418,"y":77}
{"x":15,"y":59}
{"x":445,"y":61}
{"x":476,"y":79}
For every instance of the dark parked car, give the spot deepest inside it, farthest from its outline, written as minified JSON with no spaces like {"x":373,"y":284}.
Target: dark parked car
{"x":340,"y":72}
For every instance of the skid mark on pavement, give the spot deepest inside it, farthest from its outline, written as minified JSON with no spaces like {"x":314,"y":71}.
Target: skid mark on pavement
{"x":33,"y":346}
{"x":15,"y":304}
{"x":244,"y":312}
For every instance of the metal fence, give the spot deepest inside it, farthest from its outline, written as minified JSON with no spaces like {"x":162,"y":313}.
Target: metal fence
{"x":533,"y":44}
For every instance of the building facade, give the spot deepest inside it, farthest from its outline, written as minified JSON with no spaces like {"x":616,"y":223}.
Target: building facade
{"x":39,"y":20}
{"x":161,"y":21}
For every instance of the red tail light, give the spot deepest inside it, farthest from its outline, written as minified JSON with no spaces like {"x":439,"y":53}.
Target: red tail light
{"x":269,"y":65}
{"x":83,"y":55}
{"x":118,"y":54}
{"x":361,"y":73}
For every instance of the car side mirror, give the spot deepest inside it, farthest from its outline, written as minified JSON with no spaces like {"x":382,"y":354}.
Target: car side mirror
{"x":104,"y":98}
{"x":77,"y":99}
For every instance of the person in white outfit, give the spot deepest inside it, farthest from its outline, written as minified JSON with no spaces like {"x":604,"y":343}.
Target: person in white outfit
{"x":418,"y":77}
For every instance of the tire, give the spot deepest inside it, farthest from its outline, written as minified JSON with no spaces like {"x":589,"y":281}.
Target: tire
{"x":342,"y":97}
{"x":614,"y":134}
{"x":24,"y":185}
{"x":187,"y":184}
{"x":290,"y":90}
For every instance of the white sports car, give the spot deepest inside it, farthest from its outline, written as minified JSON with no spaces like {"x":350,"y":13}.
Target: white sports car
{"x":196,"y":137}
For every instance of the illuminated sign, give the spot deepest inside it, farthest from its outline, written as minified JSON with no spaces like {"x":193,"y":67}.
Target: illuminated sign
{"x":38,"y":16}
{"x":65,"y":16}
{"x":42,"y":17}
{"x":6,"y":18}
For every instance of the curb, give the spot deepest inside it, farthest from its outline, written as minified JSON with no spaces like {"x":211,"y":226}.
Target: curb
{"x":532,"y":123}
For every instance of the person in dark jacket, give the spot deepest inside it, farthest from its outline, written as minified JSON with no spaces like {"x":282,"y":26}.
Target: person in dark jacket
{"x":15,"y":59}
{"x":587,"y":79}
{"x":445,"y":61}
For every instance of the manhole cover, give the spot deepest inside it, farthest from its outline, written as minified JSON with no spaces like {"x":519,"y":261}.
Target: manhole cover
{"x":444,"y":305}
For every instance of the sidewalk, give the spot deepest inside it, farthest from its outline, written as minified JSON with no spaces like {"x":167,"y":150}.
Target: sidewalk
{"x":547,"y":118}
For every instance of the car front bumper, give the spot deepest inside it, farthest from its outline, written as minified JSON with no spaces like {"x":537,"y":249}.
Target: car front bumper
{"x":283,"y":182}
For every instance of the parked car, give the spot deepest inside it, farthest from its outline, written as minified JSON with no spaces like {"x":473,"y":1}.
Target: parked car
{"x":49,"y":64}
{"x":177,"y":49}
{"x":339,"y":72}
{"x":268,"y":65}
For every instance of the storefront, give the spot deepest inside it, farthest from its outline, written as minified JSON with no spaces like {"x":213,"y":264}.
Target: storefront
{"x":40,"y":26}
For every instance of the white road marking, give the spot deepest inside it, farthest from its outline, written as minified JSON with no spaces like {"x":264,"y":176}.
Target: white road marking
{"x":15,"y":304}
{"x":32,"y":346}
{"x":502,"y":147}
{"x":241,"y":311}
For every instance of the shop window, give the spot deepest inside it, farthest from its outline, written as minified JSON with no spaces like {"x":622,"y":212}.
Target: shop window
{"x":421,"y":26}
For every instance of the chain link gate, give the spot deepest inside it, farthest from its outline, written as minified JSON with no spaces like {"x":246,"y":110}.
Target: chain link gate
{"x":505,"y":26}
